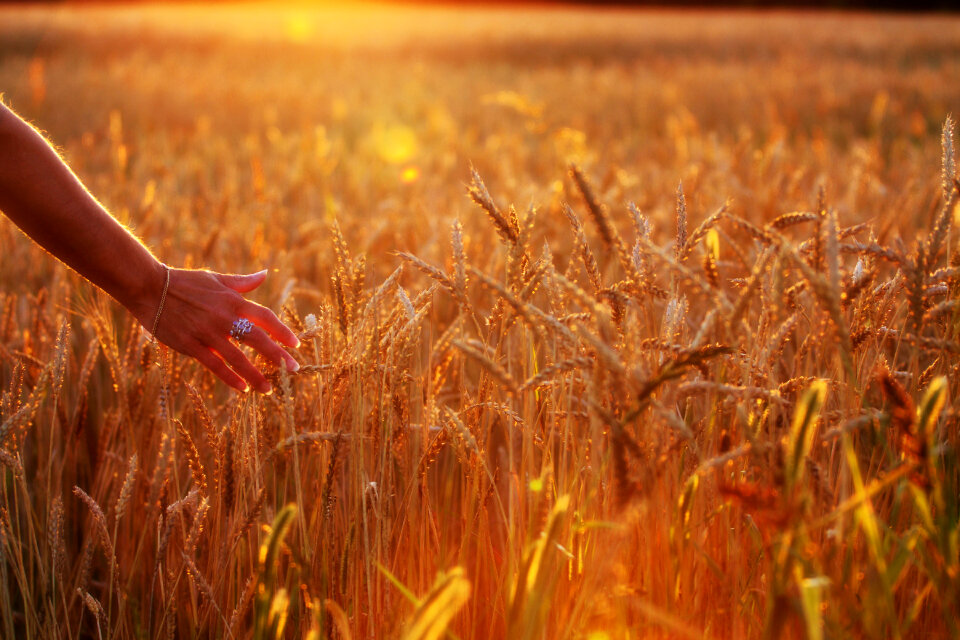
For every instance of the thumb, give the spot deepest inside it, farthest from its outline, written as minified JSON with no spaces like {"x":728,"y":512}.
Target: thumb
{"x":243,"y":283}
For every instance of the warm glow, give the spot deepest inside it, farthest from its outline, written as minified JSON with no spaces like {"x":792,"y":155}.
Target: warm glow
{"x":612,"y":323}
{"x":299,"y":28}
{"x":395,"y":144}
{"x":410,"y":175}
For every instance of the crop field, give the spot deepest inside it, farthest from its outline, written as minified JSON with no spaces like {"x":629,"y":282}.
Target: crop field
{"x":615,"y":324}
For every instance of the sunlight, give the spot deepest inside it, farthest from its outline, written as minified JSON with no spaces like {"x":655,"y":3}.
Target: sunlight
{"x":488,"y":322}
{"x":394,"y":144}
{"x":298,"y":28}
{"x":410,"y":175}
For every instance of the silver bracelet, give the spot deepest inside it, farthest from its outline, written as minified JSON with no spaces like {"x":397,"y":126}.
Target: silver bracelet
{"x":163,"y":298}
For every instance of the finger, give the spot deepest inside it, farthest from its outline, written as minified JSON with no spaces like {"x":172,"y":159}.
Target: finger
{"x":243,"y":283}
{"x":259,"y":340}
{"x":219,"y":368}
{"x":269,"y":322}
{"x":239,"y":363}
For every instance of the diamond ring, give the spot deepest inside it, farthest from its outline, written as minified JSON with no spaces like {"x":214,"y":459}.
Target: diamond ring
{"x":241,"y":327}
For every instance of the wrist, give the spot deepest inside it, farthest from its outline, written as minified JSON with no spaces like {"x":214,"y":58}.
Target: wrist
{"x":147,"y":294}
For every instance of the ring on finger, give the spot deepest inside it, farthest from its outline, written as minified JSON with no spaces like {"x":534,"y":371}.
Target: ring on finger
{"x":240,"y":328}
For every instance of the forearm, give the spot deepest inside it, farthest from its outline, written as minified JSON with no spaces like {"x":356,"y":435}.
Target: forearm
{"x":40,"y":194}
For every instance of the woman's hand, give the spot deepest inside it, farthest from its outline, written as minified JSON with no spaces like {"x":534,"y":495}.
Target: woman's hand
{"x":40,"y":194}
{"x":198,"y":313}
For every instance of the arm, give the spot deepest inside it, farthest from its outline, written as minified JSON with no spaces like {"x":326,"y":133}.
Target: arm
{"x":43,"y":197}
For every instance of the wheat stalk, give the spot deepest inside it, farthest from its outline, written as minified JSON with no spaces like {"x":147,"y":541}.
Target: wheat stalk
{"x":949,"y":170}
{"x":126,"y":490}
{"x":507,"y":230}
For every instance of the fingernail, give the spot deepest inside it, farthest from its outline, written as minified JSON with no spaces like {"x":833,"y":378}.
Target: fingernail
{"x":294,"y":366}
{"x":266,"y":388}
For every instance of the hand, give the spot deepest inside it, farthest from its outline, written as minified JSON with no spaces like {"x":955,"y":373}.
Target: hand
{"x":200,"y":309}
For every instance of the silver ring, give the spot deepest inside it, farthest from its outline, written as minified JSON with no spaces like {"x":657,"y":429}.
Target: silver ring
{"x":241,"y":327}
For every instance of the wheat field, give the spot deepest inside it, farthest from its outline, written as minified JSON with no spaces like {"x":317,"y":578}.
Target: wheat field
{"x":615,"y":324}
